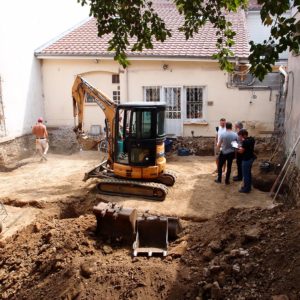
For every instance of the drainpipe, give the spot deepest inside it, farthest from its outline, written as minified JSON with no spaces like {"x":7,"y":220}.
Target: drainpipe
{"x":286,"y":78}
{"x":127,"y":88}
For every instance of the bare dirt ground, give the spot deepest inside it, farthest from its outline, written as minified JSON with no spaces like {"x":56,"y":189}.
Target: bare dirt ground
{"x":233,"y":246}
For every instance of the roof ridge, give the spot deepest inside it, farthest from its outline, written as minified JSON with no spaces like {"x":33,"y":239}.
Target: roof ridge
{"x":61,"y":35}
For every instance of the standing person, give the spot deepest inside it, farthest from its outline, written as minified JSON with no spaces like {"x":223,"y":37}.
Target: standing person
{"x":220,"y":130}
{"x":41,"y":136}
{"x":239,"y":177}
{"x":227,"y":153}
{"x":248,"y":157}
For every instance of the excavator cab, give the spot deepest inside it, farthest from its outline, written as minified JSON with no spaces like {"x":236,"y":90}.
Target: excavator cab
{"x":139,"y":134}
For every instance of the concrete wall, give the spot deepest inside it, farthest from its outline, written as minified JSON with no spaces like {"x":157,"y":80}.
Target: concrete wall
{"x":233,"y":104}
{"x":292,"y":118}
{"x":24,"y":26}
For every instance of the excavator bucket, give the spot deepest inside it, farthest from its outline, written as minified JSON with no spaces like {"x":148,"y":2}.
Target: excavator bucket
{"x":174,"y":228}
{"x":114,"y":221}
{"x":151,"y":236}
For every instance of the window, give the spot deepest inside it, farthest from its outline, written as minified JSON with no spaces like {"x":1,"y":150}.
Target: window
{"x":89,"y":99}
{"x":194,"y":102}
{"x":116,"y":96}
{"x":115,"y":78}
{"x":151,"y":93}
{"x":172,"y":97}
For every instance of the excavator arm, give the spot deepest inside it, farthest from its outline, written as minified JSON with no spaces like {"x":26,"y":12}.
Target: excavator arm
{"x":79,"y":90}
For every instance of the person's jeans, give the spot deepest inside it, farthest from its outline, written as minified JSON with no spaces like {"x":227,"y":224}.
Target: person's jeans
{"x":222,"y":159}
{"x":239,"y":166}
{"x":246,"y":167}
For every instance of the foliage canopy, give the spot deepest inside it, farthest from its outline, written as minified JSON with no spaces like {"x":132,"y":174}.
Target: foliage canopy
{"x":137,"y":19}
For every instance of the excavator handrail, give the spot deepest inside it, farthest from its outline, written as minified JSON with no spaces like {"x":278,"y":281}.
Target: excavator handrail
{"x":79,"y":90}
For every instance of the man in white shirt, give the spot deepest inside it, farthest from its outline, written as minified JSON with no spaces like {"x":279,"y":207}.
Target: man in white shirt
{"x":220,"y":130}
{"x":227,"y":152}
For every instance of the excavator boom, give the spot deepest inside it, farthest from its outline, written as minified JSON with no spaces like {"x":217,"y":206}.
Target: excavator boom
{"x":79,"y":90}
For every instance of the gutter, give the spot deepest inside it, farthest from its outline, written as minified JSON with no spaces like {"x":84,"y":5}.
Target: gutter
{"x":132,"y":58}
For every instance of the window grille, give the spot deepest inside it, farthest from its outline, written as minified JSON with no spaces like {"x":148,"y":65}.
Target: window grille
{"x":194,"y":102}
{"x":117,"y":96}
{"x":172,"y":96}
{"x":151,"y":93}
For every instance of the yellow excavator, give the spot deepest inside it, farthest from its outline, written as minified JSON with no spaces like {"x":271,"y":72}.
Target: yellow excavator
{"x":136,"y":163}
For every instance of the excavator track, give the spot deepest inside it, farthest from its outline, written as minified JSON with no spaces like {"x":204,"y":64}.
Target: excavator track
{"x":167,"y":178}
{"x":121,"y":187}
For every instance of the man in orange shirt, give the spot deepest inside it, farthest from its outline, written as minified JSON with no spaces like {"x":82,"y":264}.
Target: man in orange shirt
{"x":41,"y":142}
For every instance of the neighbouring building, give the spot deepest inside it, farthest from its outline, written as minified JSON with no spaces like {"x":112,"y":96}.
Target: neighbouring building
{"x":25,"y":25}
{"x":178,"y":72}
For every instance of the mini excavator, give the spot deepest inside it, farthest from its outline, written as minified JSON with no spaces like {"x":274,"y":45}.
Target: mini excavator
{"x":136,"y":163}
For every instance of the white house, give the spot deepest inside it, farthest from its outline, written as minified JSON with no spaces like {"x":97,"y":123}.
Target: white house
{"x":178,"y":72}
{"x":24,"y":26}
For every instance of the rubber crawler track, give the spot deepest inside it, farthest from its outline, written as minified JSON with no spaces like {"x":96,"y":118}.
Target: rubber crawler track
{"x":159,"y":191}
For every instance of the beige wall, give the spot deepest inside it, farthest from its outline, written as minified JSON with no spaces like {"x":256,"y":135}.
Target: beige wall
{"x":233,"y":104}
{"x":58,"y":78}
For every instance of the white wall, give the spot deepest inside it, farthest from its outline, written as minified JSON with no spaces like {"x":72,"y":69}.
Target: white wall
{"x":258,"y":32}
{"x":292,"y":117}
{"x":24,"y":26}
{"x":232,"y":104}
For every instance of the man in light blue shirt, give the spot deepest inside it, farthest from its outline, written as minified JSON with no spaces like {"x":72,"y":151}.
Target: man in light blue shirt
{"x":227,"y":153}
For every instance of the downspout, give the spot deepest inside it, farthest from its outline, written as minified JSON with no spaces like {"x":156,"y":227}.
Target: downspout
{"x":286,"y":79}
{"x":127,"y":84}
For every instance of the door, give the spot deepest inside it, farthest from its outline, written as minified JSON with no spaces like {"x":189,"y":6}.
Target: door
{"x":173,"y":100}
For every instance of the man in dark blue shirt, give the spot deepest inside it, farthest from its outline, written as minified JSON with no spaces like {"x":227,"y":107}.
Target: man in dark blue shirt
{"x":247,"y":152}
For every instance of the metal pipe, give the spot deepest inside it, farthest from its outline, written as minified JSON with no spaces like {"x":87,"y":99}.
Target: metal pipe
{"x":286,"y":78}
{"x":285,"y":164}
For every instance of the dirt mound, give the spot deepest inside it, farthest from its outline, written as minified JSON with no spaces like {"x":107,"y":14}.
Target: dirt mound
{"x":240,"y":254}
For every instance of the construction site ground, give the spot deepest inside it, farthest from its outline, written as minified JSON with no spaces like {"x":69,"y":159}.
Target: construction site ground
{"x":233,"y":245}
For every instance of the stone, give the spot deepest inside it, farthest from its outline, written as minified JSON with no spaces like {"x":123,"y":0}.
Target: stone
{"x":252,"y":234}
{"x":107,"y":249}
{"x":179,"y":249}
{"x":236,"y":268}
{"x":208,"y":254}
{"x":214,"y":269}
{"x":216,"y":246}
{"x":88,"y":268}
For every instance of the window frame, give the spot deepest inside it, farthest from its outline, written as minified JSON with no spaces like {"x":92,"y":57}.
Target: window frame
{"x":193,"y":120}
{"x":183,"y":100}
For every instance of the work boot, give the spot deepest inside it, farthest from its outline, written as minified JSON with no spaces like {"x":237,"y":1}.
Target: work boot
{"x":237,"y":178}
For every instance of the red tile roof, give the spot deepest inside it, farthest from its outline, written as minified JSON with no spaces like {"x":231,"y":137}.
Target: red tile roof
{"x":84,"y":41}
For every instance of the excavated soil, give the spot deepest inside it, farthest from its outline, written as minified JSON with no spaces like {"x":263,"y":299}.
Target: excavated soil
{"x":239,"y":254}
{"x":232,"y":246}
